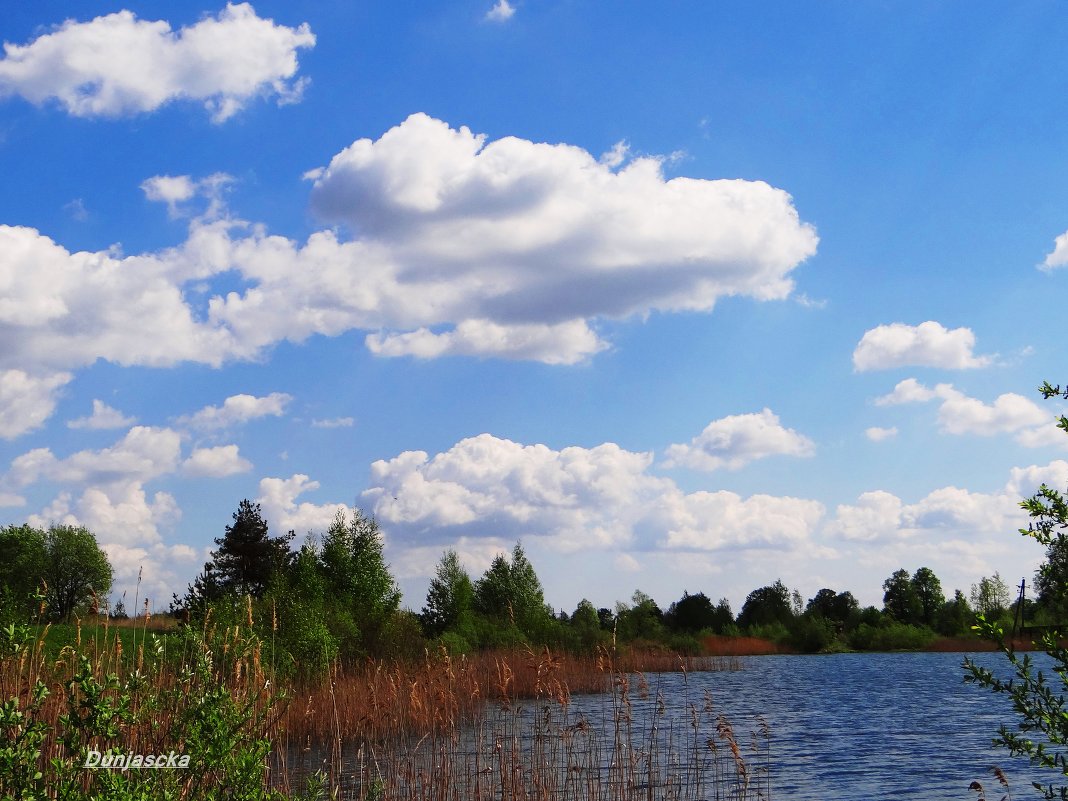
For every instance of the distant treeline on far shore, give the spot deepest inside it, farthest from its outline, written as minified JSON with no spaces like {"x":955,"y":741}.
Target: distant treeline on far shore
{"x":335,"y":598}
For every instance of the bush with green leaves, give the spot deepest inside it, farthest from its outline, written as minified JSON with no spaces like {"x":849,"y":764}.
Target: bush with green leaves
{"x":1038,"y":696}
{"x":209,"y":699}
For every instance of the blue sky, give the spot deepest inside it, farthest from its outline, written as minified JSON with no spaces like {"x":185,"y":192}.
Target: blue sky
{"x":690,"y":300}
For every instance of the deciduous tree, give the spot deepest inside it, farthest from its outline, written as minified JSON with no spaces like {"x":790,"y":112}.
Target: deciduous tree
{"x":900,"y":600}
{"x":766,"y":606}
{"x":928,"y":591}
{"x":450,"y":599}
{"x":76,"y":569}
{"x":21,"y":570}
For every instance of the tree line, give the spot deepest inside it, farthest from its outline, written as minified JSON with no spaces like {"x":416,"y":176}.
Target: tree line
{"x":335,"y":597}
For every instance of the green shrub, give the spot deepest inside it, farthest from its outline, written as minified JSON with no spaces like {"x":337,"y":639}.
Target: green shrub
{"x":890,"y":637}
{"x":811,"y":634}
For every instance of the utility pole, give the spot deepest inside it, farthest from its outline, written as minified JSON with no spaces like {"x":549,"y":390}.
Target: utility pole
{"x":1018,"y":616}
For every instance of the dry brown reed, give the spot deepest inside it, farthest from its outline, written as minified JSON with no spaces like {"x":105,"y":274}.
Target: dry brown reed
{"x":716,"y":645}
{"x":499,"y":725}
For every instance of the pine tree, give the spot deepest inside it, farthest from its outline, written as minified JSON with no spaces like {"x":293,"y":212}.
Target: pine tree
{"x":248,"y":557}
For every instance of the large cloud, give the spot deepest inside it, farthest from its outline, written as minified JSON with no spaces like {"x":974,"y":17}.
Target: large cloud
{"x":574,"y":498}
{"x":509,"y":249}
{"x":928,"y":344}
{"x":946,"y":512}
{"x":736,"y":440}
{"x":514,"y":232}
{"x":118,"y":65}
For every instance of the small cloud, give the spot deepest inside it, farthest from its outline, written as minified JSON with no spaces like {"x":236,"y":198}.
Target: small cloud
{"x":238,"y":409}
{"x":336,"y":422}
{"x":735,"y":441}
{"x":502,"y":11}
{"x":103,"y":417}
{"x":928,"y":344}
{"x":626,"y":563}
{"x":1059,"y":256}
{"x":176,"y":190}
{"x":809,"y":303}
{"x":877,"y":434}
{"x":76,"y":209}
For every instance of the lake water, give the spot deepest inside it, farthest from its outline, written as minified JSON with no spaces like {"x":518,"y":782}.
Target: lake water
{"x":862,"y":726}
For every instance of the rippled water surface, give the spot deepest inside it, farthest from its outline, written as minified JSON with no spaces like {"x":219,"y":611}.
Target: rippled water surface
{"x":860,"y":726}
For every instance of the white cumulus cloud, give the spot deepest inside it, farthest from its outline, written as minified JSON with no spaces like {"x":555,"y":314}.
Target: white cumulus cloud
{"x":960,"y":414}
{"x":928,"y":344}
{"x":574,"y":498}
{"x":512,"y":233}
{"x":736,"y":440}
{"x":945,"y":513}
{"x":118,"y":65}
{"x":508,"y":249}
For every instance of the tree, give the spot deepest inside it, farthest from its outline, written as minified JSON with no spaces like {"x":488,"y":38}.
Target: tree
{"x":766,"y":606}
{"x":586,"y":624}
{"x":1037,"y":698}
{"x":362,"y":591}
{"x":510,"y":592}
{"x":76,"y":570}
{"x":928,"y":590}
{"x":691,"y":613}
{"x":990,"y":597}
{"x":955,"y":617}
{"x":643,"y":619}
{"x":832,"y":606}
{"x":450,"y":600}
{"x":21,"y":571}
{"x":1051,"y":579}
{"x":900,"y":599}
{"x":247,"y":557}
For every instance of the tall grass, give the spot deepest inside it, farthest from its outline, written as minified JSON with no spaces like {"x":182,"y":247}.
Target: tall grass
{"x":492,"y":725}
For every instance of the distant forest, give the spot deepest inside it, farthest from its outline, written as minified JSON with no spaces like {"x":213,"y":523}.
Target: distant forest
{"x":335,"y":598}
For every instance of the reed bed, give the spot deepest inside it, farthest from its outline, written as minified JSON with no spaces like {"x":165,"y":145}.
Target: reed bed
{"x":376,"y":700}
{"x":491,"y":725}
{"x":501,"y":726}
